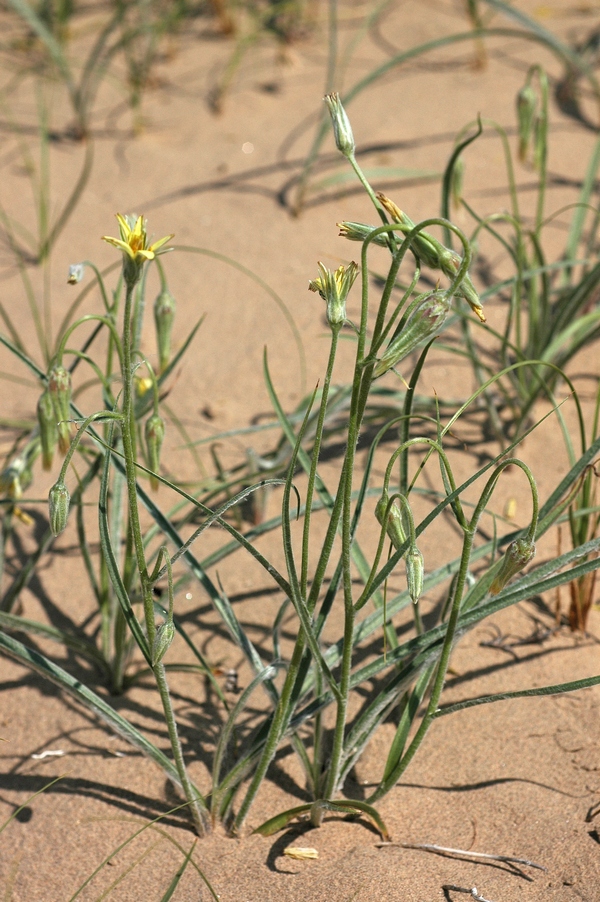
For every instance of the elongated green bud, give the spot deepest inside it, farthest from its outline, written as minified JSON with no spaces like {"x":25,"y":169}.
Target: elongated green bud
{"x":456,"y":182}
{"x":164,"y":636}
{"x":425,"y":321}
{"x":334,"y":288}
{"x":527,"y":102}
{"x":342,"y":130}
{"x":59,"y":386}
{"x":435,"y":255}
{"x":164,"y":314}
{"x":155,"y":433}
{"x":48,"y":429}
{"x":358,"y":231}
{"x":393,"y":524}
{"x":59,"y":500}
{"x":517,"y":555}
{"x":415,"y":571}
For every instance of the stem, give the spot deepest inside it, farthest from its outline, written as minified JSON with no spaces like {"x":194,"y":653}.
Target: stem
{"x":197,"y":805}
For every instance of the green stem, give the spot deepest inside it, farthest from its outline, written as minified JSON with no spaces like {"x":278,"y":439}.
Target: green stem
{"x":197,"y":805}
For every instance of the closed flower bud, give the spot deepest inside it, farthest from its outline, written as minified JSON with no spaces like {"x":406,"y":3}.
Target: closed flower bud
{"x":436,"y":255}
{"x":358,"y":231}
{"x":415,"y":570}
{"x":517,"y":555}
{"x":164,"y":636}
{"x":393,"y":525}
{"x":425,"y":321}
{"x":342,"y":130}
{"x":59,"y":386}
{"x":164,"y":314}
{"x":58,"y":504}
{"x":333,"y":288}
{"x":457,"y":181}
{"x":10,"y":481}
{"x":526,"y":108}
{"x":75,"y":273}
{"x":48,"y":428}
{"x":155,"y":433}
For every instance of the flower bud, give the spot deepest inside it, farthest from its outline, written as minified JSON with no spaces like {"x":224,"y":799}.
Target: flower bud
{"x":164,"y":314}
{"x":526,"y":107}
{"x":164,"y":636}
{"x":516,"y":556}
{"x":155,"y":433}
{"x":333,"y":288}
{"x":59,"y":386}
{"x":358,"y":231}
{"x":342,"y":130}
{"x":435,"y":255}
{"x":75,"y":273}
{"x":393,"y":524}
{"x":58,"y":503}
{"x":456,"y":182}
{"x":48,"y":428}
{"x":415,"y":570}
{"x":10,"y":481}
{"x":425,"y":321}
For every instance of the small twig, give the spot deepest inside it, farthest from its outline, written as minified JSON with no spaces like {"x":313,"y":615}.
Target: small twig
{"x":460,"y":889}
{"x":430,"y":847}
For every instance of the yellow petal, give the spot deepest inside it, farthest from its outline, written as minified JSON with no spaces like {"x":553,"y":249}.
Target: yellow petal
{"x":122,"y":245}
{"x":157,"y":244}
{"x":124,"y":226}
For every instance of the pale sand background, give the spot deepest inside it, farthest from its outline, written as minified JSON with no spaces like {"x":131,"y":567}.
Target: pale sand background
{"x":515,"y":778}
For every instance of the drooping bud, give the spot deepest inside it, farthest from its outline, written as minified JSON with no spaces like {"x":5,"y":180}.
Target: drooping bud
{"x":164,"y":636}
{"x":517,"y":555}
{"x":10,"y":481}
{"x":75,"y":273}
{"x":164,"y":314}
{"x":334,"y":288}
{"x":48,"y":429}
{"x":393,"y":523}
{"x":425,"y":321}
{"x":59,"y":500}
{"x":415,"y":570}
{"x":435,"y":255}
{"x":155,"y":433}
{"x":342,"y":130}
{"x":450,"y":262}
{"x":358,"y":231}
{"x":59,"y":386}
{"x":526,"y":108}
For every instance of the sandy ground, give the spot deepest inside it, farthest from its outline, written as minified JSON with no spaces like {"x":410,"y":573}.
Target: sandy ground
{"x":516,"y":778}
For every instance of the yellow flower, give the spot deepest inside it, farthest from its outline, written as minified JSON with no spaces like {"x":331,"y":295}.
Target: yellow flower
{"x":133,"y":240}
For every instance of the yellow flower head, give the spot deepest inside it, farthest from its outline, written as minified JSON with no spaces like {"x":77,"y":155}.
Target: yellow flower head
{"x":133,"y":243}
{"x":133,"y":240}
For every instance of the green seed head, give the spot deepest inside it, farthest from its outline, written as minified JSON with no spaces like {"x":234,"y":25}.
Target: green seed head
{"x":517,"y":555}
{"x":58,"y":504}
{"x":415,"y":571}
{"x":48,"y":429}
{"x":393,"y":524}
{"x":59,"y":386}
{"x":164,"y":314}
{"x":425,"y":321}
{"x":342,"y":130}
{"x":527,"y":102}
{"x":155,"y":434}
{"x":164,"y":636}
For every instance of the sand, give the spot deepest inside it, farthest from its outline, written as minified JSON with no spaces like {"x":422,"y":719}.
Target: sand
{"x":516,"y":778}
